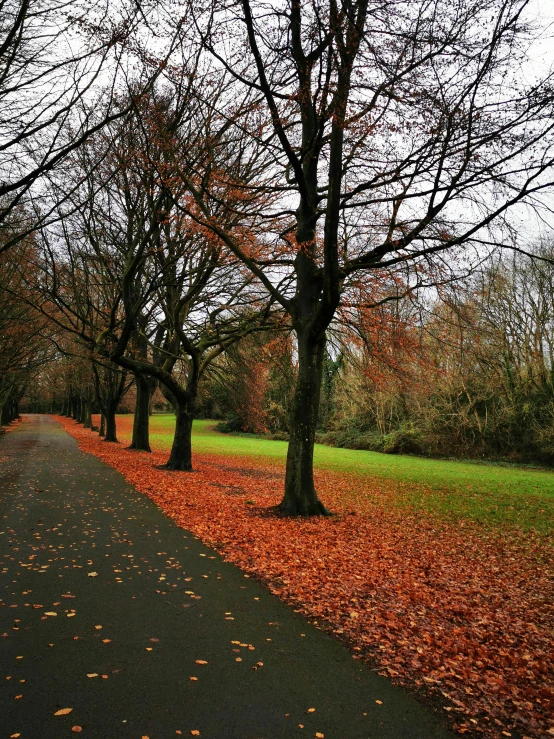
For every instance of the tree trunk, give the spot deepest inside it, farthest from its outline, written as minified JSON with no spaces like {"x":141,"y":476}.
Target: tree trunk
{"x":141,"y":420}
{"x":102,"y":431}
{"x":110,"y":423}
{"x":87,"y":414}
{"x":300,"y":496}
{"x":181,"y":451}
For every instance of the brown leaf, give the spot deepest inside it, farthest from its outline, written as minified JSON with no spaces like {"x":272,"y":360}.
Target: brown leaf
{"x":428,"y":591}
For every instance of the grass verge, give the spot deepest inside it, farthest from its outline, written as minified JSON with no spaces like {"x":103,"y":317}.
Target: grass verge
{"x":491,"y":494}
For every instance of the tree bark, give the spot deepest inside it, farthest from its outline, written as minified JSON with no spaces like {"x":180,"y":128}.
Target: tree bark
{"x":102,"y":431}
{"x":300,"y":498}
{"x":181,"y":450}
{"x":111,"y":434}
{"x":141,"y":420}
{"x":87,"y":415}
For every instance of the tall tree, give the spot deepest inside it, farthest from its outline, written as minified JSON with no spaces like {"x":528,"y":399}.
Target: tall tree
{"x":393,"y":132}
{"x":136,"y":280}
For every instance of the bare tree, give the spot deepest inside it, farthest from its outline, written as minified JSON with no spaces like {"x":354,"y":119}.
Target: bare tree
{"x":64,"y":74}
{"x":24,"y":345}
{"x":395,"y":133}
{"x":134,"y":278}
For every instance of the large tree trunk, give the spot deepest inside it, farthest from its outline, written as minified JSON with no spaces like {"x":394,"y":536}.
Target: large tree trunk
{"x":102,"y":431}
{"x":110,"y":423}
{"x":181,"y":451}
{"x":141,"y":420}
{"x":300,"y":496}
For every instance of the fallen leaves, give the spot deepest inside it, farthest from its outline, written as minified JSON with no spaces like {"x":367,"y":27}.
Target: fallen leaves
{"x":93,"y":574}
{"x":63,"y":712}
{"x":77,"y":729}
{"x":435,"y":605}
{"x":200,"y":662}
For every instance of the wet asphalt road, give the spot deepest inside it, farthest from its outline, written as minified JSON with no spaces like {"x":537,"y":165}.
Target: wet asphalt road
{"x":109,"y":609}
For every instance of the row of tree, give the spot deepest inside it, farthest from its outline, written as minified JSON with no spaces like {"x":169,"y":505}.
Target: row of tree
{"x":294,"y":168}
{"x":469,"y":372}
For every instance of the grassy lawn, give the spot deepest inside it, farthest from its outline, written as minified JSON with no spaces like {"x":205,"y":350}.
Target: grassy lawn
{"x":484,"y":492}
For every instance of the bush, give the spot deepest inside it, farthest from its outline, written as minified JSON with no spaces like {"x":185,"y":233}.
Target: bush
{"x":231,"y":425}
{"x":351,"y":438}
{"x":405,"y":440}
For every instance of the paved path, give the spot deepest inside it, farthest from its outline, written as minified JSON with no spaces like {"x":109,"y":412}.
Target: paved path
{"x":110,"y":609}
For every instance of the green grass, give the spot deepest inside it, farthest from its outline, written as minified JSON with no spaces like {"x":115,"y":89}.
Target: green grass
{"x":484,"y":492}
